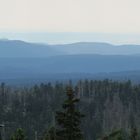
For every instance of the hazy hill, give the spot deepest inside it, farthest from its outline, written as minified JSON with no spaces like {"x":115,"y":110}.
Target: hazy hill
{"x":16,"y":48}
{"x":30,"y":67}
{"x":98,"y":48}
{"x":22,"y":60}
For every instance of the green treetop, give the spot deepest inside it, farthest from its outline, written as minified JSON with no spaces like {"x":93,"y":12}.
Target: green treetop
{"x":69,"y":119}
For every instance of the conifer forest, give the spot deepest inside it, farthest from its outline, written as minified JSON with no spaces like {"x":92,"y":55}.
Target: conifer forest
{"x":85,"y":110}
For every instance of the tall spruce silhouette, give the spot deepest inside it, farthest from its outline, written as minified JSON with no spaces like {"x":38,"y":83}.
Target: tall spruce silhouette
{"x":134,"y":133}
{"x":19,"y":135}
{"x":69,"y":119}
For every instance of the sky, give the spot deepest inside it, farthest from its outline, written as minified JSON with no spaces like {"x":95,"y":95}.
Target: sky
{"x":23,"y":19}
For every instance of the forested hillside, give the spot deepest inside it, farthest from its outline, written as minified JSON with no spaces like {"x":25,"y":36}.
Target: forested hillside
{"x":50,"y":67}
{"x":107,"y":105}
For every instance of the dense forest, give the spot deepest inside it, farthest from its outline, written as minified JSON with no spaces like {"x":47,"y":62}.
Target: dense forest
{"x":108,"y":106}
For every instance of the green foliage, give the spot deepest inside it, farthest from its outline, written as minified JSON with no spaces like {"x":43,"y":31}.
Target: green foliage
{"x":106,"y":104}
{"x":133,"y":134}
{"x":115,"y":135}
{"x":18,"y":135}
{"x":69,"y":119}
{"x":50,"y":134}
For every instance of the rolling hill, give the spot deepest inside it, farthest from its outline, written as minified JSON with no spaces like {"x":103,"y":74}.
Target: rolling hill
{"x":17,"y":48}
{"x":22,"y":60}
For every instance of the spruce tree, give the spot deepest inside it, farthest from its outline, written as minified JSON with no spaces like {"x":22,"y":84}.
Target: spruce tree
{"x":115,"y":135}
{"x":18,"y":135}
{"x":134,"y":133}
{"x":69,"y":119}
{"x":51,"y":134}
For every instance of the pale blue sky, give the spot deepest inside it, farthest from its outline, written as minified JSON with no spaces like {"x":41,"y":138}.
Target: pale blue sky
{"x":70,"y":37}
{"x":115,"y":21}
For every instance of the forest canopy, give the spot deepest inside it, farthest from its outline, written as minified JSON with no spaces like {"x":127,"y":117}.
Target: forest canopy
{"x":107,"y":106}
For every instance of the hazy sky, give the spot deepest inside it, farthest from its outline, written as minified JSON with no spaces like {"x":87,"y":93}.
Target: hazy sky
{"x":113,"y":16}
{"x":64,"y":21}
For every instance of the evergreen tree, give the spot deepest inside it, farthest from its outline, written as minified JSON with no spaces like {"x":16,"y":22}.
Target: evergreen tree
{"x":51,"y":134}
{"x":18,"y":135}
{"x":115,"y":135}
{"x":133,"y":135}
{"x":69,"y":119}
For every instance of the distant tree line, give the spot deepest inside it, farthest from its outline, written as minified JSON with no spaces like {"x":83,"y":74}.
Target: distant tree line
{"x":111,"y":110}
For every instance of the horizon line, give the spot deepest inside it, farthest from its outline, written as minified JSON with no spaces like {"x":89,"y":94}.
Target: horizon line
{"x":77,"y":42}
{"x":72,"y":37}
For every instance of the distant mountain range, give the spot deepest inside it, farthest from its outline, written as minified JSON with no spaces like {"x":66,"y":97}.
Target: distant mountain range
{"x":98,"y":48}
{"x":22,"y":60}
{"x":30,"y":67}
{"x":16,"y":48}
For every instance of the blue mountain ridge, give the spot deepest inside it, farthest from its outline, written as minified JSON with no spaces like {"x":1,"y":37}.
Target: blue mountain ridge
{"x":23,"y":60}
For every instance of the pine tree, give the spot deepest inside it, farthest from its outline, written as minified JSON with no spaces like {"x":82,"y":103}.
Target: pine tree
{"x":69,"y":119}
{"x":134,"y":134}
